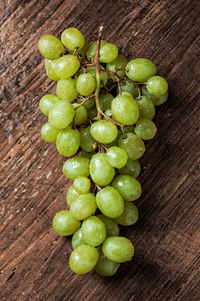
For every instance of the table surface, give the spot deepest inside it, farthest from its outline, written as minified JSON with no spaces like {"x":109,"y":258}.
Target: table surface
{"x":34,"y":260}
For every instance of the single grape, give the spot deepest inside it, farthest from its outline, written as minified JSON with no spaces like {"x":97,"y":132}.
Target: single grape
{"x":145,"y":129}
{"x":105,"y":101}
{"x":77,"y":239}
{"x":83,"y":259}
{"x":110,"y":202}
{"x":72,"y":38}
{"x":49,"y":133}
{"x":50,"y":47}
{"x":92,"y":112}
{"x":133,"y":146}
{"x":101,"y":171}
{"x":49,"y":67}
{"x":140,"y":69}
{"x":117,"y":157}
{"x":132,"y":168}
{"x":128,"y":86}
{"x":129,"y":129}
{"x":104,"y":131}
{"x":46,"y":103}
{"x":66,"y":66}
{"x":83,"y":206}
{"x":93,"y":231}
{"x":85,"y":84}
{"x":87,"y":141}
{"x":125,"y":109}
{"x":119,"y":63}
{"x":66,"y":89}
{"x":88,"y":104}
{"x":82,"y":184}
{"x":61,"y":114}
{"x":157,"y":85}
{"x":146,"y":108}
{"x":64,"y":223}
{"x":106,"y":267}
{"x":118,"y":249}
{"x":103,"y":75}
{"x":75,"y":167}
{"x":72,"y":195}
{"x":129,"y":216}
{"x":112,"y":228}
{"x":157,"y":100}
{"x":80,"y":114}
{"x":108,"y":53}
{"x":129,"y":188}
{"x":92,"y":50}
{"x":68,"y":142}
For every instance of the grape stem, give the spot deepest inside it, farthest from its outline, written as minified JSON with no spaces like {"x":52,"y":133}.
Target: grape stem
{"x":116,"y":76}
{"x":84,"y":100}
{"x":98,"y":80}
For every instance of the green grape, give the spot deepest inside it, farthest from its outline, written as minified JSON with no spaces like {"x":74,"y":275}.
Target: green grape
{"x":112,"y":228}
{"x":82,"y":51}
{"x":108,"y":53}
{"x":72,"y":38}
{"x":133,"y":146}
{"x":46,"y":103}
{"x":101,"y":171}
{"x":105,"y":101}
{"x":157,"y":85}
{"x":64,"y":223}
{"x":118,"y":249}
{"x":49,"y":67}
{"x":77,"y":239}
{"x":106,"y":267}
{"x":129,"y":188}
{"x":66,"y":66}
{"x":82,"y":184}
{"x":117,"y":157}
{"x":75,"y":167}
{"x":126,"y":93}
{"x":104,"y":131}
{"x":61,"y":114}
{"x":115,"y":142}
{"x":50,"y":47}
{"x":125,"y":109}
{"x":145,"y":129}
{"x":140,"y":70}
{"x":129,"y":129}
{"x":103,"y":75}
{"x":93,"y":231}
{"x":88,"y":104}
{"x":83,"y":259}
{"x":128,"y":86}
{"x":87,"y":141}
{"x":68,"y":142}
{"x":129,"y":216}
{"x":92,"y":49}
{"x":110,"y":202}
{"x":66,"y":89}
{"x":72,"y":195}
{"x":146,"y":108}
{"x":108,"y":112}
{"x":132,"y":168}
{"x":80,"y":114}
{"x":92,"y":112}
{"x":85,"y":84}
{"x":49,"y":133}
{"x":86,"y":155}
{"x":119,"y":63}
{"x":83,"y":206}
{"x":156,"y":99}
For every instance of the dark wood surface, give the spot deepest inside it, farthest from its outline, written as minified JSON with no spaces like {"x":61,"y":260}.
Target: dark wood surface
{"x":34,"y":260}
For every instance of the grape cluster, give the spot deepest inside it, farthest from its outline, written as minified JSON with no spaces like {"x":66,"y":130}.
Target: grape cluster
{"x":100,"y":115}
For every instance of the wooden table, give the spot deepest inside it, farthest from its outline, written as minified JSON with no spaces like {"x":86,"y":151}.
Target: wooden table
{"x":34,"y":260}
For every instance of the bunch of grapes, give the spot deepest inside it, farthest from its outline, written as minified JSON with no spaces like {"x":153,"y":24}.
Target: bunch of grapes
{"x":100,"y":115}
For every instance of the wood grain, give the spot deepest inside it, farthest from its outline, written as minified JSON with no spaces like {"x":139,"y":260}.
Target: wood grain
{"x":33,"y":258}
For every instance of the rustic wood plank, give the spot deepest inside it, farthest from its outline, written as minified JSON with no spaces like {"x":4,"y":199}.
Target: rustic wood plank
{"x":167,"y":239}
